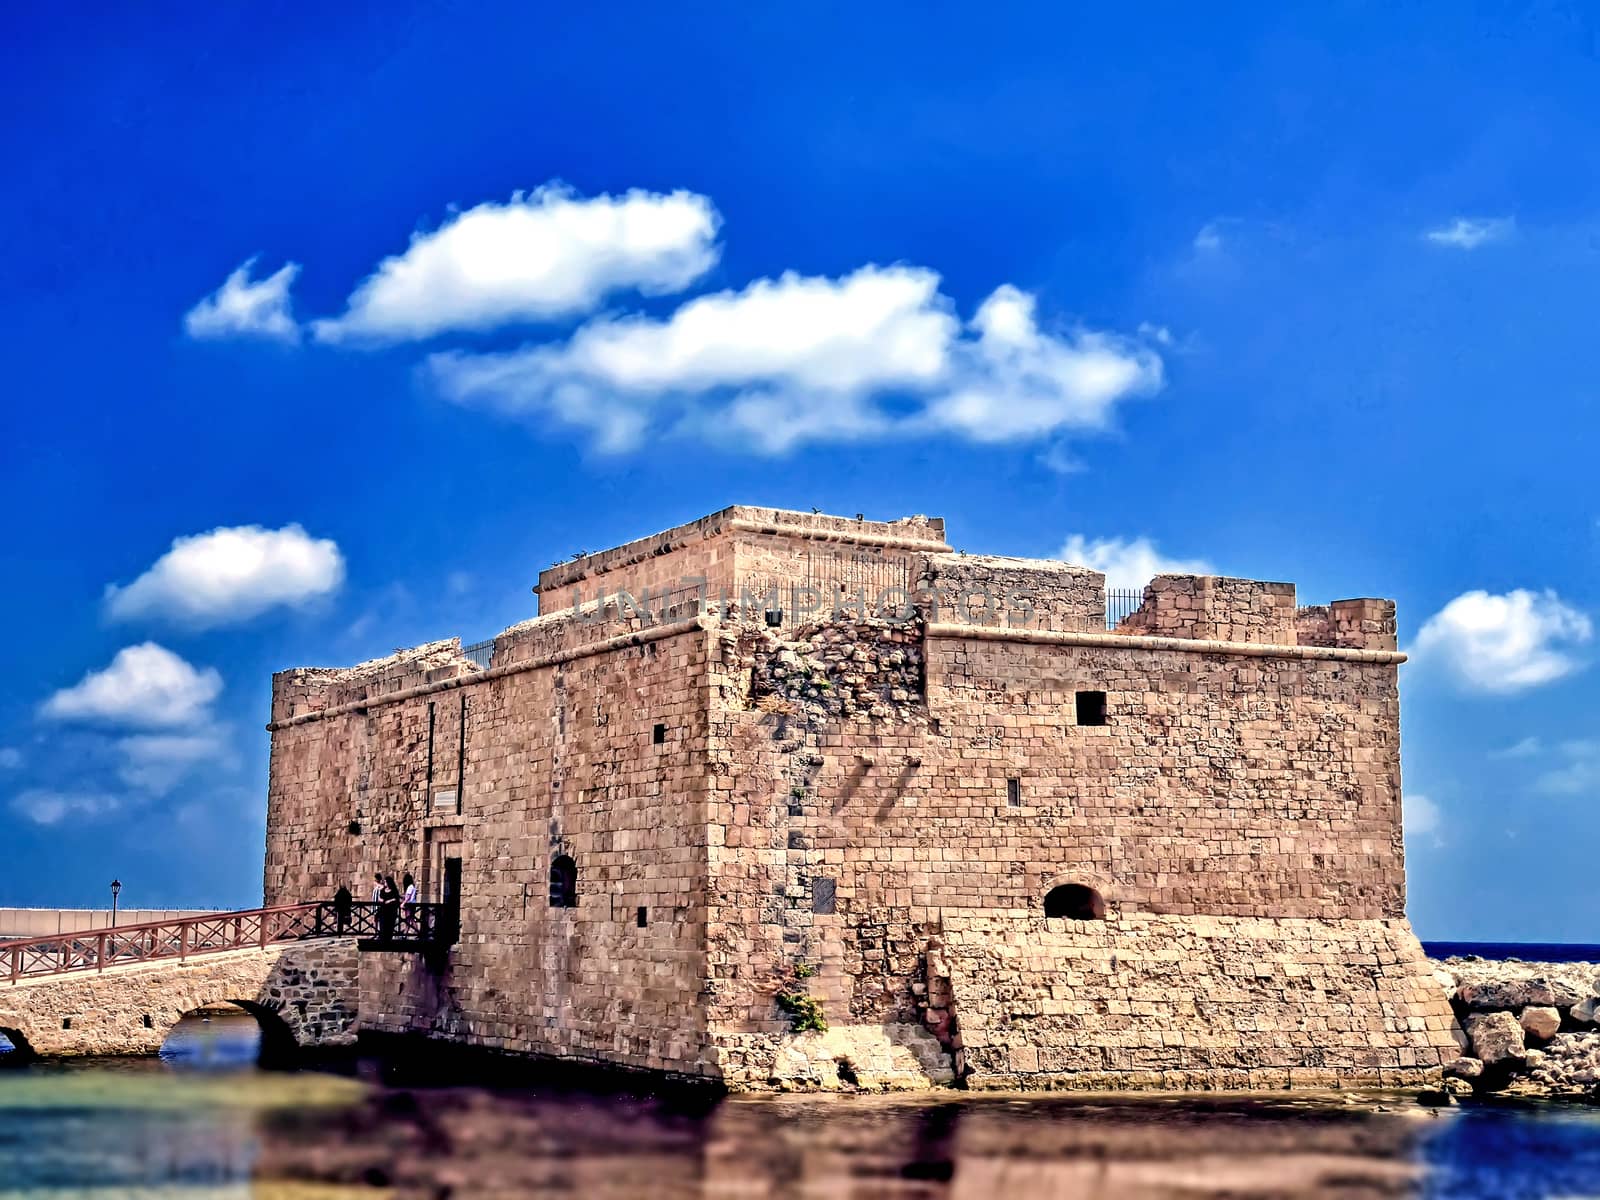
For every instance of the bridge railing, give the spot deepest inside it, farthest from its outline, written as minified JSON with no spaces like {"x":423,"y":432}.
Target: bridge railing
{"x":97,"y":949}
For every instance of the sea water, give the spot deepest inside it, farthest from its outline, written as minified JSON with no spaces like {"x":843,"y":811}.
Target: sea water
{"x":203,"y":1122}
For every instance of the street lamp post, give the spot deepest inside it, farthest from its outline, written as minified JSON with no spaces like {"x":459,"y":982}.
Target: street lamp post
{"x":116,"y":888}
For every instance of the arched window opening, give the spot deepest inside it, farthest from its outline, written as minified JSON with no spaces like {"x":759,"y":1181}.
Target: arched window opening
{"x":564,"y":883}
{"x":1075,"y":902}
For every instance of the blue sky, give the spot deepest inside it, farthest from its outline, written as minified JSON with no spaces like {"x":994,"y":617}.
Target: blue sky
{"x":1302,"y":296}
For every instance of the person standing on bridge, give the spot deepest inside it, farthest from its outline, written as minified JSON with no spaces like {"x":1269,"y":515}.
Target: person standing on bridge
{"x":388,"y":908}
{"x":343,"y":904}
{"x":410,"y":903}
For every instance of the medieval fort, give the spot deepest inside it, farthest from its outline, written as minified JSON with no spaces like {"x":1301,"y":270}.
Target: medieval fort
{"x":785,"y":799}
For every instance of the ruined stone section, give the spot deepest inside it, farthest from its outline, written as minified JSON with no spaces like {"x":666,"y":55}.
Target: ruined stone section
{"x":1018,"y":593}
{"x":1353,"y":624}
{"x":1190,"y":1002}
{"x":307,"y":991}
{"x":870,"y":1058}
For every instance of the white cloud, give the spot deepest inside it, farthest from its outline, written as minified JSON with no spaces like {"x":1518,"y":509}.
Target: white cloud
{"x":1128,"y":563}
{"x":1422,"y":818}
{"x":810,"y":359}
{"x":231,"y":575}
{"x":1528,"y":747}
{"x":157,"y":762}
{"x":1504,"y":643}
{"x":10,"y":758}
{"x":1015,"y":381}
{"x":1209,"y":239}
{"x":1468,"y":233}
{"x":146,"y":686}
{"x":545,"y":254}
{"x":43,"y":806}
{"x":248,"y":308}
{"x":1578,"y":774}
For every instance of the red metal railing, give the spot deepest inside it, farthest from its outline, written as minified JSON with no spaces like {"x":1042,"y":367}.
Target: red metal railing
{"x":97,"y":949}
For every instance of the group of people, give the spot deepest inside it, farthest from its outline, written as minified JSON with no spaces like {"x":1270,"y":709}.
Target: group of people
{"x":395,"y":904}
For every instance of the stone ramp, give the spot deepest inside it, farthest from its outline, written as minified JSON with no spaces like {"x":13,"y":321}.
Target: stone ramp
{"x":1158,"y":1002}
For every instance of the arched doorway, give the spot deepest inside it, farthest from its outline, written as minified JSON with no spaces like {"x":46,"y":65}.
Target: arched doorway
{"x":230,"y":1035}
{"x":1075,"y":902}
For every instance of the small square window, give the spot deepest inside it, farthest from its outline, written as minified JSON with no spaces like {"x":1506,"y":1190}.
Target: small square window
{"x":1091,"y":708}
{"x":1014,"y":793}
{"x":659,"y":735}
{"x":642,"y":916}
{"x":774,"y":617}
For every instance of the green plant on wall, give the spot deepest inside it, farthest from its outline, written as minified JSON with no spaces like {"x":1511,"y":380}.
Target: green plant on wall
{"x":804,"y":1012}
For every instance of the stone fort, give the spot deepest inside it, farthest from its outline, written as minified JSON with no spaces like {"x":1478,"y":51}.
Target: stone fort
{"x":780,"y":799}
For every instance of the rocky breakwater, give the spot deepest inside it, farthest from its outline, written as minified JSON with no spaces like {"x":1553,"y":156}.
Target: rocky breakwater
{"x":1526,"y":1028}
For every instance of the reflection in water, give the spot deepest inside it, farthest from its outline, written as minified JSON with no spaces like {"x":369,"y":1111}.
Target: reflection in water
{"x":224,"y":1038}
{"x":161,"y":1128}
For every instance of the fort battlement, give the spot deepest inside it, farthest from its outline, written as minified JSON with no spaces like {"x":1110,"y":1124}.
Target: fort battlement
{"x":987,"y":837}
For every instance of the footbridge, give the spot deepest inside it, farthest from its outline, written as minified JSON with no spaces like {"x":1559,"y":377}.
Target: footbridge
{"x":120,"y":990}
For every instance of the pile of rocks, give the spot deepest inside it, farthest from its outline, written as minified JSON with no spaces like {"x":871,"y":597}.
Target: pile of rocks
{"x":1528,"y":1028}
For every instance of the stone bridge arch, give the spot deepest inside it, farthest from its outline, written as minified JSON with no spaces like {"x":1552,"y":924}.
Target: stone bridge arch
{"x":302,"y":994}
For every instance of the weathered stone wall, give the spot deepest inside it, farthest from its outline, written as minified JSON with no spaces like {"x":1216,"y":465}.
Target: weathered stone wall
{"x":862,"y":788}
{"x":1215,"y":608}
{"x":308,"y":990}
{"x":557,"y":759}
{"x":1017,"y":593}
{"x":1189,"y":1002}
{"x":826,"y":791}
{"x":809,"y":559}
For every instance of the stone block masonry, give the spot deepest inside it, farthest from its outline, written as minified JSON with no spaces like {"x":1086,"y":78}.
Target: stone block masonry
{"x":872,"y":812}
{"x":304,"y":994}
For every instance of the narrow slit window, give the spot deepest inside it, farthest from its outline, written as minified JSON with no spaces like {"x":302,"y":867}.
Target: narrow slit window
{"x":564,"y":883}
{"x":658,"y":736}
{"x":1014,"y":793}
{"x":642,"y":916}
{"x":1091,"y":708}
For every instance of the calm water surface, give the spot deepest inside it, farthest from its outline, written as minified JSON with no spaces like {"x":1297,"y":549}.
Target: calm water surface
{"x":202,"y":1122}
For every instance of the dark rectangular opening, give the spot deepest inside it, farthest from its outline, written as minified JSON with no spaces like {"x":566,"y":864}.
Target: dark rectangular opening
{"x":66,"y":1022}
{"x":642,"y":917}
{"x":774,"y":617}
{"x":1014,"y":793}
{"x":823,"y":895}
{"x":1091,"y":708}
{"x":148,"y":1023}
{"x":659,"y":735}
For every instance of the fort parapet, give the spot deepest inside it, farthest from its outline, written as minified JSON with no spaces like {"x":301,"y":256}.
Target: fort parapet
{"x":833,"y":768}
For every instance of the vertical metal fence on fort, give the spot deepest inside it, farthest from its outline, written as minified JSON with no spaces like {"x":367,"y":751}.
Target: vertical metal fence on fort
{"x":1120,"y":602}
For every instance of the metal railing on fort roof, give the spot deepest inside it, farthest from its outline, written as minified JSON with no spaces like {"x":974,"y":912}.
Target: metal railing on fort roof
{"x":1120,"y":603}
{"x":480,"y":652}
